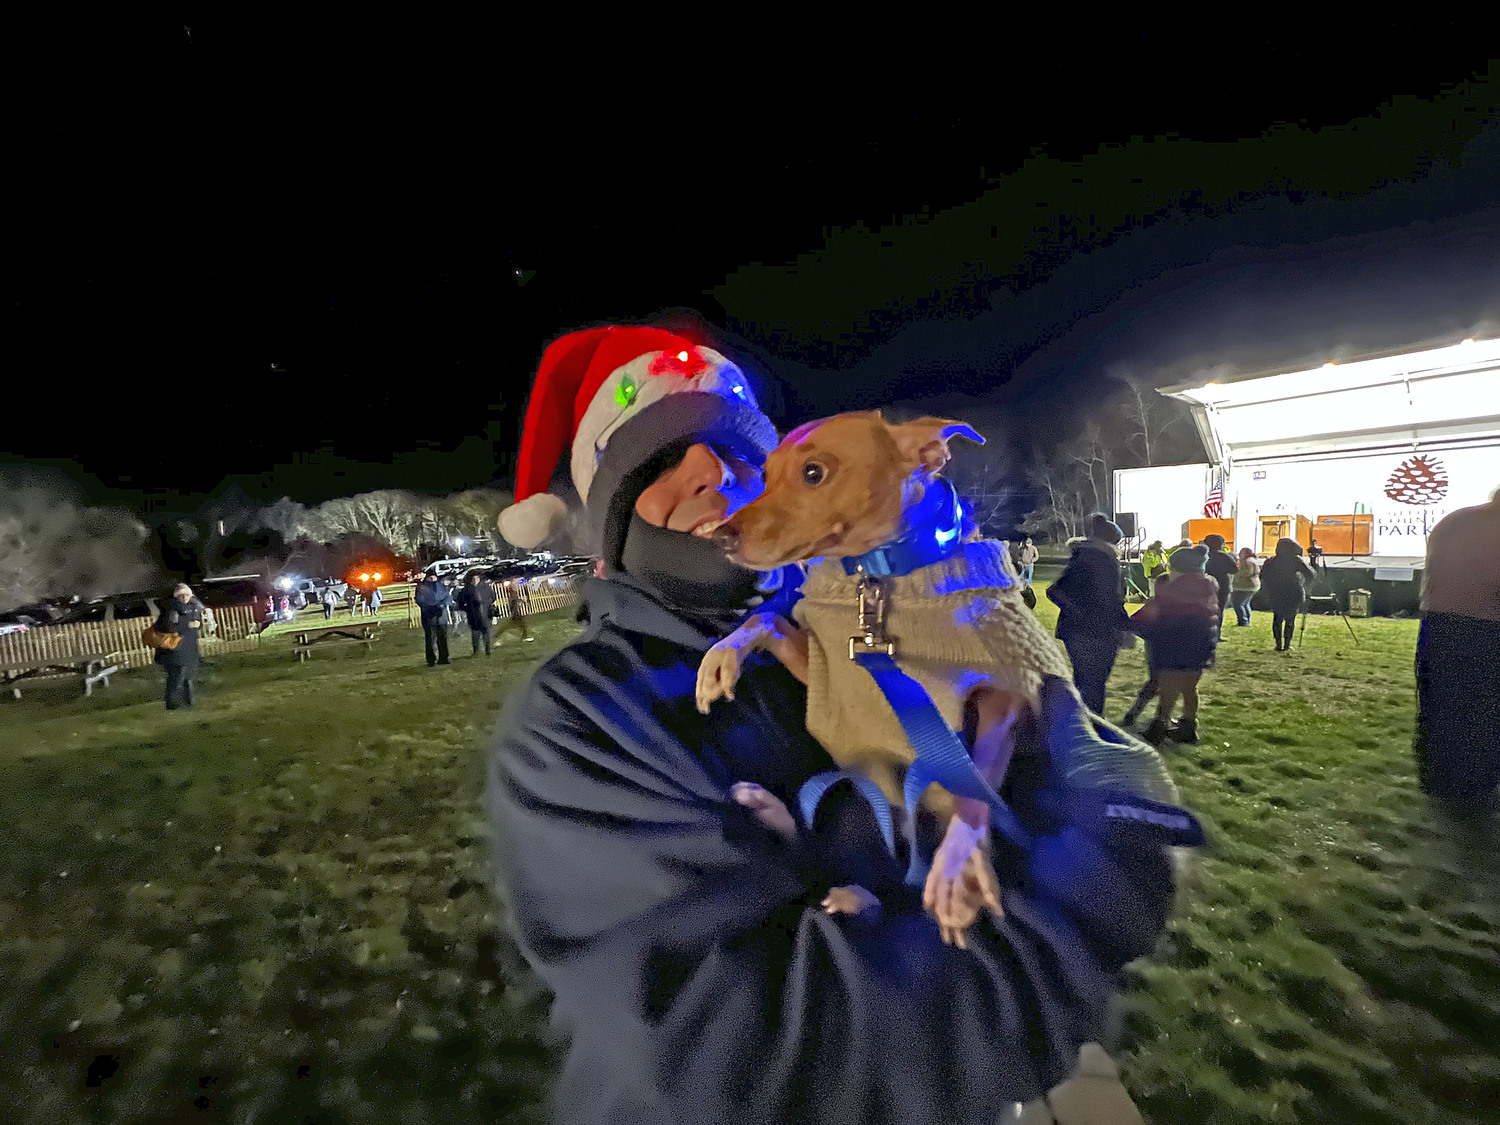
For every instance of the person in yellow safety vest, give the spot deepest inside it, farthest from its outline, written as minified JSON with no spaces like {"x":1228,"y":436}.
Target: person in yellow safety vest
{"x":1154,"y":560}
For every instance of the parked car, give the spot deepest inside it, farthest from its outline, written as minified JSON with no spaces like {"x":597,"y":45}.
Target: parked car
{"x":120,"y":607}
{"x":12,"y":627}
{"x":443,"y":568}
{"x":39,"y":613}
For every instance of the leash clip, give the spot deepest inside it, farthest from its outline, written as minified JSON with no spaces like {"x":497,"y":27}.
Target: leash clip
{"x":872,"y":607}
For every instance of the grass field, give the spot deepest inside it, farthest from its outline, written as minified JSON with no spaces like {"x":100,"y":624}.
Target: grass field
{"x":273,"y":907}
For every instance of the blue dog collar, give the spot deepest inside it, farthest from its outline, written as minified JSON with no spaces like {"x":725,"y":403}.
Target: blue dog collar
{"x":934,"y":536}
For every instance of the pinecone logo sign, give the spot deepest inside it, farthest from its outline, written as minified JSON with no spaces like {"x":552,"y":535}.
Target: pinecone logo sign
{"x":1418,"y":480}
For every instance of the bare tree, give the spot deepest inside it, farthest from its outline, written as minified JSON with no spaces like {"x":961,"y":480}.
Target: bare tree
{"x":338,"y":517}
{"x":386,"y":514}
{"x":21,"y":575}
{"x":1091,"y":456}
{"x":1151,"y":422}
{"x":53,"y":545}
{"x":991,"y":488}
{"x":1067,"y":498}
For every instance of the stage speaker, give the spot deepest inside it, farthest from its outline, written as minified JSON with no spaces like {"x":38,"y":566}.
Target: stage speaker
{"x":1126,"y":520}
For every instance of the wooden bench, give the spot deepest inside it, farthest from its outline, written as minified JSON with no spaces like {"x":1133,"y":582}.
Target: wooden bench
{"x":354,"y":631}
{"x":89,"y":669}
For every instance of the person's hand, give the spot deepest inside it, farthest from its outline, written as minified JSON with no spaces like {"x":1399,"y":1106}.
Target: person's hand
{"x":852,"y":899}
{"x":766,"y":806}
{"x":961,"y":883}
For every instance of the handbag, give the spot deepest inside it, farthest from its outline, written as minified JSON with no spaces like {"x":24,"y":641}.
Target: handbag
{"x":154,"y":639}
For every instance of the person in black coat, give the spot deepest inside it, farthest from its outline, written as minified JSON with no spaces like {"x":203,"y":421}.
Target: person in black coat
{"x":1091,"y":596}
{"x":434,"y":600}
{"x":692,"y":966}
{"x":477,"y":600}
{"x":183,"y":617}
{"x":1283,"y":583}
{"x":1222,"y":567}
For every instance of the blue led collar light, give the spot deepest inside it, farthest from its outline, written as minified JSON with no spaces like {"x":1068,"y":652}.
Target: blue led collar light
{"x":932,"y":538}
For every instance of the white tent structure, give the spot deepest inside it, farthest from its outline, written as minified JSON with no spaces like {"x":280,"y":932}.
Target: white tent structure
{"x":1374,"y":450}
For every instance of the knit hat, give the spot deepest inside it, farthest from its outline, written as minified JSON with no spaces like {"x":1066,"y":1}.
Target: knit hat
{"x":1189,"y":560}
{"x":1214,"y":542}
{"x":1286,"y":547}
{"x":1102,"y":527}
{"x":652,"y":441}
{"x":588,"y":385}
{"x":182,"y":588}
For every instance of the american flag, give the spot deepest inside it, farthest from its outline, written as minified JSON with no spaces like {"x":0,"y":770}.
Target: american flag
{"x":1213,"y":507}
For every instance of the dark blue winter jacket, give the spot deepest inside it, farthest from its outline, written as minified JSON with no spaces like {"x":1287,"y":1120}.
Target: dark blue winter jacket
{"x":185,"y":619}
{"x":1090,"y":593}
{"x":432,"y":597}
{"x":690,"y":962}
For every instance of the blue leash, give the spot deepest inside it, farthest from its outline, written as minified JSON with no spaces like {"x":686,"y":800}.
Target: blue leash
{"x":941,"y":757}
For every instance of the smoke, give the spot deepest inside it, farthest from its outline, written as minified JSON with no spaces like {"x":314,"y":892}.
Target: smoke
{"x":53,"y":544}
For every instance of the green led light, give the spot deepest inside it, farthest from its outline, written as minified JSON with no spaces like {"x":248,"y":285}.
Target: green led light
{"x":625,"y":392}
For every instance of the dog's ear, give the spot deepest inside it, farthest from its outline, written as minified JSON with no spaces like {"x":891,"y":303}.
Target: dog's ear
{"x":924,"y":442}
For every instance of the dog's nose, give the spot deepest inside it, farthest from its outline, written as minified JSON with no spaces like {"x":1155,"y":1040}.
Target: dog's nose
{"x":727,"y":538}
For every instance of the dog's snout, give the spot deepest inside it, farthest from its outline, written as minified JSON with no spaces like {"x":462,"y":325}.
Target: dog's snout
{"x":727,"y":538}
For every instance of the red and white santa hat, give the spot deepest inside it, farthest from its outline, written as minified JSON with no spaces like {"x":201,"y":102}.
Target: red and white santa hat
{"x":590,"y":383}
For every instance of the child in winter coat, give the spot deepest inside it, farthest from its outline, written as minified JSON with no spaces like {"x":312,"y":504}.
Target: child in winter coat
{"x":1180,"y":626}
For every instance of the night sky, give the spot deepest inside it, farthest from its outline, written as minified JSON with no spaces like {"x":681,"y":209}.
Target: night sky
{"x":289,"y":259}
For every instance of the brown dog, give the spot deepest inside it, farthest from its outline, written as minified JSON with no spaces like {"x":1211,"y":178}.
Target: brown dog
{"x":842,"y":487}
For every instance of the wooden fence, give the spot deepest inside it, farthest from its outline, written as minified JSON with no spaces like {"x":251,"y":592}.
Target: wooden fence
{"x":236,"y":626}
{"x":236,"y":633}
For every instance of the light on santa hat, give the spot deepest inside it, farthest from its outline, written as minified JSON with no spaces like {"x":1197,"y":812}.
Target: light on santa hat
{"x":688,"y":362}
{"x":588,"y":385}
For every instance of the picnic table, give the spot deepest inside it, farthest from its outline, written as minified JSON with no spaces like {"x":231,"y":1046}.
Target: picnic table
{"x":360,"y":632}
{"x":90,"y":668}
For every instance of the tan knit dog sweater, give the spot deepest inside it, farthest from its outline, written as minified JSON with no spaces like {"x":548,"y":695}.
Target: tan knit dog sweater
{"x":956,"y":624}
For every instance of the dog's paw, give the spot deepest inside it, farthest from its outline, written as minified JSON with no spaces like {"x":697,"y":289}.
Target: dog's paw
{"x":717,"y":674}
{"x":852,"y":899}
{"x":766,"y":806}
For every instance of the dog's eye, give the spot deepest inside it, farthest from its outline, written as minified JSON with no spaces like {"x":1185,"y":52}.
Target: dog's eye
{"x":813,"y":472}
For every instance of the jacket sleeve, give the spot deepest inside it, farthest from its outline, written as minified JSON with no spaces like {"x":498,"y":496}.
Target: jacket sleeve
{"x":1059,"y":591}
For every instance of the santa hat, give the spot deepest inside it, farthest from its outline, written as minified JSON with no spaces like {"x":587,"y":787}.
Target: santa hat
{"x":588,"y":385}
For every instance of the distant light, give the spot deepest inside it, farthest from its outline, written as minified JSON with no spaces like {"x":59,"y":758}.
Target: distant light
{"x":364,"y":577}
{"x":1469,"y":340}
{"x":376,"y":576}
{"x":682,"y":357}
{"x":1330,"y":363}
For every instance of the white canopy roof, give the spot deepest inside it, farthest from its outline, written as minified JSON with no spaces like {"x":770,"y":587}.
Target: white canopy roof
{"x":1408,"y":398}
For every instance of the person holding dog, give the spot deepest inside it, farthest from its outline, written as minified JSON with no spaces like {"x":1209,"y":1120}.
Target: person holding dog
{"x":638,"y":842}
